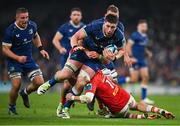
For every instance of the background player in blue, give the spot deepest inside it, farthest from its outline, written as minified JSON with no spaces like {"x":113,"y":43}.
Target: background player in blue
{"x":17,"y":46}
{"x":137,"y":49}
{"x":62,"y":43}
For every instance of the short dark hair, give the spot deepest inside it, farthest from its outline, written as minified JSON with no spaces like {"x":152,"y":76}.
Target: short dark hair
{"x":111,"y":18}
{"x":113,"y":8}
{"x":142,"y":21}
{"x":76,"y":9}
{"x":21,"y":10}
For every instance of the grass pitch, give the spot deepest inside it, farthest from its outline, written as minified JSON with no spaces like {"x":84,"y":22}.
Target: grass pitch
{"x":43,"y":112}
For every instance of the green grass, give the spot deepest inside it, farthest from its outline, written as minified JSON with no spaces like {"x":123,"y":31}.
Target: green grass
{"x":43,"y":112}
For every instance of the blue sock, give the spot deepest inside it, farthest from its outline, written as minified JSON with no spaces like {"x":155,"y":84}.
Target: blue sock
{"x":143,"y":92}
{"x":121,"y":80}
{"x":52,"y":82}
{"x":69,"y":103}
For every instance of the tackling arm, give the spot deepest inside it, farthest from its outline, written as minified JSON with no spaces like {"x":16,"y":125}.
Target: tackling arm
{"x":78,"y":38}
{"x":87,"y":98}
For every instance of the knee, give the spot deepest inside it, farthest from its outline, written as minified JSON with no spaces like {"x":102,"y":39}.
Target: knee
{"x":145,"y":78}
{"x":80,"y":83}
{"x":16,"y":87}
{"x":61,"y":75}
{"x":134,"y":79}
{"x":66,"y":85}
{"x":37,"y":81}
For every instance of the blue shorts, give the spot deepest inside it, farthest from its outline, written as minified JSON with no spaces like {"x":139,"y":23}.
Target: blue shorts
{"x":139,"y":64}
{"x":29,"y":68}
{"x":83,"y":58}
{"x":63,"y":59}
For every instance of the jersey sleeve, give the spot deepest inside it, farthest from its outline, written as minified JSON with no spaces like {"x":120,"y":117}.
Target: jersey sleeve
{"x":121,"y":39}
{"x":7,"y":40}
{"x":34,"y":25}
{"x":61,"y":29}
{"x":133,"y":38}
{"x":88,"y":29}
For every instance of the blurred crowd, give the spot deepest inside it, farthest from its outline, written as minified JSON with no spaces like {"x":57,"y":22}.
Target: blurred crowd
{"x":164,"y":32}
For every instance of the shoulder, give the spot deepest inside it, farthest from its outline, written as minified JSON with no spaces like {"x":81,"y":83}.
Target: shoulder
{"x":64,"y":26}
{"x":119,"y":33}
{"x":98,"y":20}
{"x":134,"y":34}
{"x":32,"y":23}
{"x":121,"y":26}
{"x":10,"y":28}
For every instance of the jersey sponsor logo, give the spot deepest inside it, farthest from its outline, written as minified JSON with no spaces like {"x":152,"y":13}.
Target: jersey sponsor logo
{"x":70,"y":30}
{"x":97,"y":38}
{"x":17,"y":35}
{"x":30,"y":31}
{"x":88,"y":87}
{"x":11,"y":69}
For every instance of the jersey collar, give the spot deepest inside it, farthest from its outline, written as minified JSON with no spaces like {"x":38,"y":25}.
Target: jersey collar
{"x":19,"y":27}
{"x":76,"y":26}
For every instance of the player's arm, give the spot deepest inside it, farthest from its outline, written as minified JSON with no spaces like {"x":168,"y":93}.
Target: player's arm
{"x":129,"y":45}
{"x":148,"y":52}
{"x":77,"y":39}
{"x":57,"y":42}
{"x":87,"y":98}
{"x":38,"y":44}
{"x":6,"y":49}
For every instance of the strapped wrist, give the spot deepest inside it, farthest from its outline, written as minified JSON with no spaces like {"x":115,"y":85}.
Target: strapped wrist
{"x":41,"y":48}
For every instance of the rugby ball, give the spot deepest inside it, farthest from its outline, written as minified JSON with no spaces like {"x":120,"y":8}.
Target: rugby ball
{"x":112,"y":48}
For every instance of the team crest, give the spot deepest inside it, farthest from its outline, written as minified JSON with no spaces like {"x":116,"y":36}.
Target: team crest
{"x":88,"y":87}
{"x":30,"y":31}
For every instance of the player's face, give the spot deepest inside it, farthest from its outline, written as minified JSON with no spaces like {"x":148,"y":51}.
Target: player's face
{"x":76,"y":17}
{"x":143,"y":27}
{"x":22,"y":19}
{"x":109,"y":28}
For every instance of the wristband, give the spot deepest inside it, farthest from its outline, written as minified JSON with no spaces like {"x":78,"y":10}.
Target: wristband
{"x":72,"y":98}
{"x":40,"y":48}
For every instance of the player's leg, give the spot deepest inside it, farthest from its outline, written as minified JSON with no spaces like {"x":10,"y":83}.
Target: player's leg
{"x":144,"y":73}
{"x":37,"y":79}
{"x":149,"y":108}
{"x":14,"y":72}
{"x":64,"y":90}
{"x":133,"y":105}
{"x":134,"y":75}
{"x":67,"y":72}
{"x":13,"y":95}
{"x":84,"y":76}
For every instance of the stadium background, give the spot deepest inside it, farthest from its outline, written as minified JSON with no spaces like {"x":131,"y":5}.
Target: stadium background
{"x":164,"y":32}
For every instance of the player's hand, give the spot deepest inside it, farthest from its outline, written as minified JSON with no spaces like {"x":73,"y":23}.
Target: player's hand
{"x":44,"y":54}
{"x":69,"y":96}
{"x":108,"y":54}
{"x":92,"y":54}
{"x":134,"y":60}
{"x":127,"y":60}
{"x":62,"y":50}
{"x":78,"y":48}
{"x":22,"y":59}
{"x":150,"y":54}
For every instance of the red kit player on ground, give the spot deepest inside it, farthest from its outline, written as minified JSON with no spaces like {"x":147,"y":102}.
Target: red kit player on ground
{"x":117,"y":99}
